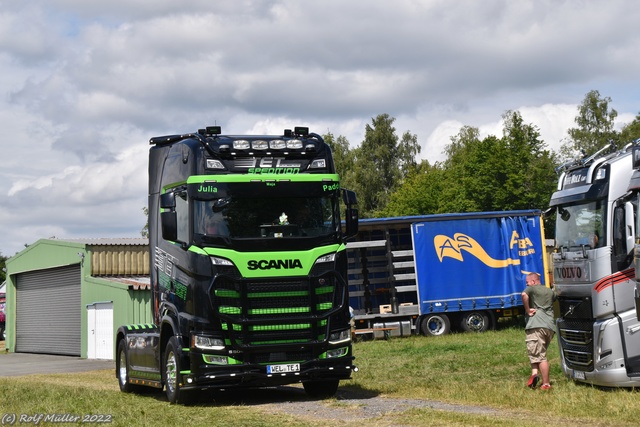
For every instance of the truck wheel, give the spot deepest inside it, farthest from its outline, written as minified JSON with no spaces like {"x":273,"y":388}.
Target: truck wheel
{"x":475,"y":321}
{"x":122,"y":370}
{"x":172,"y":368}
{"x":435,"y":325}
{"x":321,"y":389}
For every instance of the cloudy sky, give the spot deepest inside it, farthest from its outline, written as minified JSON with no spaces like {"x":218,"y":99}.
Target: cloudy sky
{"x":87,"y":83}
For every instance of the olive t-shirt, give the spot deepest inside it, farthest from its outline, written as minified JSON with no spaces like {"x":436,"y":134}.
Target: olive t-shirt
{"x":541,"y":298}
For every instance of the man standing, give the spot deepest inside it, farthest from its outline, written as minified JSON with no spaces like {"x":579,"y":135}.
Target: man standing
{"x":540,"y":329}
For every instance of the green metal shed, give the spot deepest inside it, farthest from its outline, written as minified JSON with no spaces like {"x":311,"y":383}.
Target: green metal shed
{"x":69,"y":297}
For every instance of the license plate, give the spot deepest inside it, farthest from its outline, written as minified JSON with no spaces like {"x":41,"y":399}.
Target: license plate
{"x":578,"y":375}
{"x":282,"y":369}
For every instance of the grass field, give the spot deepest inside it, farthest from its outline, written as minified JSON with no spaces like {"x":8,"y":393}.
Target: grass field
{"x":486,"y":370}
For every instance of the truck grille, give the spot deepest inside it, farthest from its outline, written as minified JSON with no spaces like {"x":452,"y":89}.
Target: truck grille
{"x":576,"y":338}
{"x":263,"y":316}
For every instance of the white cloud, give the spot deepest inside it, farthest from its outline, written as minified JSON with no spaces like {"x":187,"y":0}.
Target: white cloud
{"x":86,"y":84}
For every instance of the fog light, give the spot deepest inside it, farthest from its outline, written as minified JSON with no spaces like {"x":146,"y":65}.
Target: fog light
{"x":215,"y":360}
{"x":337,"y":352}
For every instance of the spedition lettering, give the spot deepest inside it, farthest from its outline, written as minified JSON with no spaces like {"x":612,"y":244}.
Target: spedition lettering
{"x":274,"y":264}
{"x":277,"y":171}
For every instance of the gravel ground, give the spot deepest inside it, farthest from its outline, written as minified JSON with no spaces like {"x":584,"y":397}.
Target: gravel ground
{"x":348,"y":406}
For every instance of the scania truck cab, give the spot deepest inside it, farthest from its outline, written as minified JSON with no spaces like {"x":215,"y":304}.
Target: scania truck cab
{"x":593,"y":270}
{"x":248,"y":267}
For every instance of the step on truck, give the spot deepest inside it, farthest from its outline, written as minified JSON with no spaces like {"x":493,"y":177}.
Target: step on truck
{"x":430,"y":274}
{"x":248,"y":267}
{"x":596,"y":205}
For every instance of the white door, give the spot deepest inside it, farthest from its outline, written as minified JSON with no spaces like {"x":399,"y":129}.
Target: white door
{"x":100,"y":331}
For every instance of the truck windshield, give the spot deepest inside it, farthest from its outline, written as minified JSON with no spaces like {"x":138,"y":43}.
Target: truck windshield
{"x":581,"y":224}
{"x":265,"y":218}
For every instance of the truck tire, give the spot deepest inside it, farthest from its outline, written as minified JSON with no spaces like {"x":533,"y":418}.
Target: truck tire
{"x":476,"y":321}
{"x":122,"y":368}
{"x":321,"y":389}
{"x":172,"y":369}
{"x":435,"y":325}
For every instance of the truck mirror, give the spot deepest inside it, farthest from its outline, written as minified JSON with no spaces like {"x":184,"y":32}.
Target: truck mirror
{"x":169,"y":218}
{"x":630,"y":226}
{"x":349,"y":197}
{"x":169,"y":221}
{"x":168,"y":200}
{"x":351,"y":222}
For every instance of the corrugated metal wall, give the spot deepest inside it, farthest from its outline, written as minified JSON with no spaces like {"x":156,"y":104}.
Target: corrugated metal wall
{"x":120,"y":260}
{"x":48,"y":311}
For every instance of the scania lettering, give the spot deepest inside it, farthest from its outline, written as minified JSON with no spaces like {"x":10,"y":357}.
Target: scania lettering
{"x":248,"y":267}
{"x":593,"y":269}
{"x":266,"y":265}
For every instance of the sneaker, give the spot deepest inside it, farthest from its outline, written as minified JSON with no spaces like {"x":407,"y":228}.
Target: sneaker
{"x":533,"y":381}
{"x":545,"y":387}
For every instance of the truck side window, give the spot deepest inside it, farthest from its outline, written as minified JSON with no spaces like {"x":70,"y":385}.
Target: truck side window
{"x":619,"y":236}
{"x":182,"y":214}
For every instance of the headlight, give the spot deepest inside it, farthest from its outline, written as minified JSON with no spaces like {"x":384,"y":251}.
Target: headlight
{"x":220,"y":261}
{"x":341,"y":336}
{"x":241,"y":144}
{"x":318,"y":163}
{"x":326,"y":258}
{"x":277,"y":144}
{"x":207,"y":343}
{"x":260,"y":145}
{"x":294,"y":144}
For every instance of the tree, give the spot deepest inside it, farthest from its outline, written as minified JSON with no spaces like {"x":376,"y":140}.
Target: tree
{"x":381,"y":163}
{"x":419,"y":194}
{"x":145,"y":230}
{"x":343,"y":158}
{"x":3,"y":268}
{"x":490,"y":174}
{"x":631,"y":131}
{"x":595,"y":130}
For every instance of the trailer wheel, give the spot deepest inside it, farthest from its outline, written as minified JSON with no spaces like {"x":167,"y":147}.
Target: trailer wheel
{"x":321,"y":389}
{"x":475,"y":321}
{"x":122,"y":370}
{"x":172,"y":369}
{"x":435,"y":325}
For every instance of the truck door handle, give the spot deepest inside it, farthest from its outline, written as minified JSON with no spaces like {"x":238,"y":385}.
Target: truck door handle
{"x":633,"y":329}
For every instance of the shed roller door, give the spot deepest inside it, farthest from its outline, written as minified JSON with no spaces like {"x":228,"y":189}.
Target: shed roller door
{"x":48,"y":311}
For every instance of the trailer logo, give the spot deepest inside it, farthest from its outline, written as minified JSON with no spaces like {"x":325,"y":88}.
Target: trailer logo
{"x":452,"y":247}
{"x":274,"y":264}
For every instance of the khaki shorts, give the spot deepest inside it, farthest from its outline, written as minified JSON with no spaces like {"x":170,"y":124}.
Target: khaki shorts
{"x":538,"y":340}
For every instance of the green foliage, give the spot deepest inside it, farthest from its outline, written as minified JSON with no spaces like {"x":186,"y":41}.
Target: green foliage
{"x":490,"y":174}
{"x":3,"y":268}
{"x":595,"y":130}
{"x":145,"y":230}
{"x":343,"y":158}
{"x":631,"y":131}
{"x":381,"y":163}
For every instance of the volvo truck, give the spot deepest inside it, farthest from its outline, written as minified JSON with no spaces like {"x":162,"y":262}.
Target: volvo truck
{"x":248,"y":267}
{"x":593,"y":269}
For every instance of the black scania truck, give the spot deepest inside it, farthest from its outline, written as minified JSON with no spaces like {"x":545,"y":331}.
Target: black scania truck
{"x":248,"y":267}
